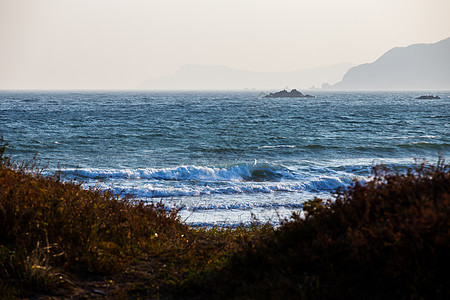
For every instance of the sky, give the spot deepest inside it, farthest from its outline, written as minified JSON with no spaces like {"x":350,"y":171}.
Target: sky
{"x":118,"y":44}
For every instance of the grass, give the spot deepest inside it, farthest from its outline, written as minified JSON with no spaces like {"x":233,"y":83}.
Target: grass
{"x":388,"y":238}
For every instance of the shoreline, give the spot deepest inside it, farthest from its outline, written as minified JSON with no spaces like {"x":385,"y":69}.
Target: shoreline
{"x":65,"y":241}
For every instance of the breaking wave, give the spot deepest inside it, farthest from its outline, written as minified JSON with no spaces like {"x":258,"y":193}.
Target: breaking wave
{"x":197,"y":180}
{"x":241,"y":172}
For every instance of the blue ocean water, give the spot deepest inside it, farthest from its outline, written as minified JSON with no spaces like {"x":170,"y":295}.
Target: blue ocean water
{"x":223,"y":156}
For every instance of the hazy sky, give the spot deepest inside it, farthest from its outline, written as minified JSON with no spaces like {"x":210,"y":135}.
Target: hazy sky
{"x":117,"y":44}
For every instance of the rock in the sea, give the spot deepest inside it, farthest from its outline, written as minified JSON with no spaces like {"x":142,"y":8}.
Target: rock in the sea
{"x":292,"y":94}
{"x":428,"y":97}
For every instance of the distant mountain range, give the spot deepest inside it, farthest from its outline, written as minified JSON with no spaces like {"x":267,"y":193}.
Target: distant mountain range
{"x":200,"y":77}
{"x":416,"y":67}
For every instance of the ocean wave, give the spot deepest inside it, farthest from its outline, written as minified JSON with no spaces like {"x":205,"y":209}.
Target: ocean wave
{"x":188,"y":189}
{"x":317,"y":146}
{"x":277,"y":147}
{"x":240,"y":172}
{"x":243,"y":178}
{"x":425,"y":145}
{"x":222,"y":150}
{"x":240,"y":205}
{"x":411,"y":137}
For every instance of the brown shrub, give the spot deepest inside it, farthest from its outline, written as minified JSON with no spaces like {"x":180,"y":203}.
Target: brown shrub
{"x":82,"y":230}
{"x":51,"y":229}
{"x":387,"y":238}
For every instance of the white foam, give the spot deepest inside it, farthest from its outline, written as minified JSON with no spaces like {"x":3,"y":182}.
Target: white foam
{"x":197,"y":181}
{"x":413,"y":137}
{"x":197,"y":173}
{"x":278,"y":147}
{"x":158,"y":189}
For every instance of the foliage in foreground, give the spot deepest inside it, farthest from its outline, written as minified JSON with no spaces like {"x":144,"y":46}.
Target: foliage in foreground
{"x":386,"y":239}
{"x":55,"y":233}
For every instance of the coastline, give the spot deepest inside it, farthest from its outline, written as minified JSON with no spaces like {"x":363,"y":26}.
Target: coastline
{"x":90,"y":243}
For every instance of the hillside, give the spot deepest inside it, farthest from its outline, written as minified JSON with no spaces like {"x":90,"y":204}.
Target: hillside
{"x":416,"y":67}
{"x":200,"y":77}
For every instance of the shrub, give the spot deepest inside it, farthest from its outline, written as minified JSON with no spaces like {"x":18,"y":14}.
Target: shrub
{"x":387,"y":238}
{"x":82,"y":230}
{"x":52,"y":230}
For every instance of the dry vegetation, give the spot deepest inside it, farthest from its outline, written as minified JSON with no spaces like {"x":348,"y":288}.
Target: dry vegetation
{"x":388,"y":238}
{"x":57,"y":238}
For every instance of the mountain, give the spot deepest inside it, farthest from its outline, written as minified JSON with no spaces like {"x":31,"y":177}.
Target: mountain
{"x":416,"y":67}
{"x":200,"y":77}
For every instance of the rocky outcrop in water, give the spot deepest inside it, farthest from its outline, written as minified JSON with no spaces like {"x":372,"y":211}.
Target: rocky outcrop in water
{"x":285,"y":94}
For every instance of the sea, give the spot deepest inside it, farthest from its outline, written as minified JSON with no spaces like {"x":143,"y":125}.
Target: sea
{"x":223,"y":157}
